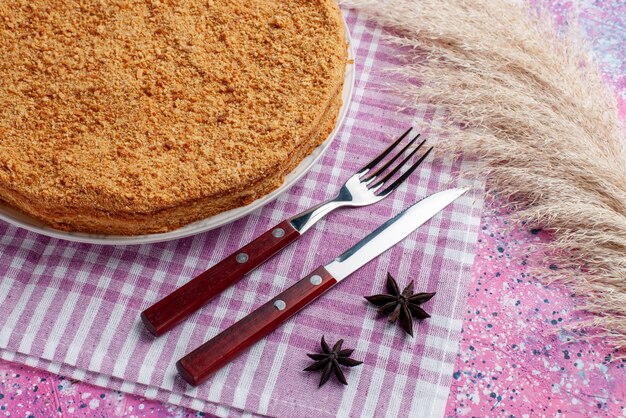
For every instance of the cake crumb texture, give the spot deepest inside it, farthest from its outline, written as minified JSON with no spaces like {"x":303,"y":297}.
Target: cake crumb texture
{"x":122,"y":110}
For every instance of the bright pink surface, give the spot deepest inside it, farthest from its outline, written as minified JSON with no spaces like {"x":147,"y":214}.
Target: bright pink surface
{"x":516,"y":356}
{"x":515,"y":359}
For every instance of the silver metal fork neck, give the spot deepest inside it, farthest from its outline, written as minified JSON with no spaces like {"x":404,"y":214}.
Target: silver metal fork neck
{"x":352,"y":193}
{"x":302,"y":222}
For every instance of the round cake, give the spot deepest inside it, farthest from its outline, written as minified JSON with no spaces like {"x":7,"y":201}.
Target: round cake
{"x":134,"y":117}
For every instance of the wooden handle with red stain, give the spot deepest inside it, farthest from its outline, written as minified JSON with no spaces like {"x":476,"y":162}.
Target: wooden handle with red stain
{"x":205,"y":360}
{"x":175,"y":307}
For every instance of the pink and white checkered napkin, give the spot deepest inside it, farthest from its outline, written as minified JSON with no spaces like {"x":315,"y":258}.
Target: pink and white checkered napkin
{"x":74,"y":308}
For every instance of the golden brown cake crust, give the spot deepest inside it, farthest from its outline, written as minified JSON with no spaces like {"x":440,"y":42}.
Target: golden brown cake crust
{"x":131,"y":117}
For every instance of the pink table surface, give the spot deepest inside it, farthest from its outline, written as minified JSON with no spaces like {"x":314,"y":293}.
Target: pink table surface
{"x":516,"y":358}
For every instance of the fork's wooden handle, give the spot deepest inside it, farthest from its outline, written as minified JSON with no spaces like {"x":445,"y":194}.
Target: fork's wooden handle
{"x":198,"y":365}
{"x":175,"y":307}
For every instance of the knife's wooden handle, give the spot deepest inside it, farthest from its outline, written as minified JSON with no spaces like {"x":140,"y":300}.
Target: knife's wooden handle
{"x":198,"y":365}
{"x":175,"y":307}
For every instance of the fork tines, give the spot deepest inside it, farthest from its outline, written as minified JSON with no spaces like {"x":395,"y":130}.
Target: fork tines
{"x":369,"y":178}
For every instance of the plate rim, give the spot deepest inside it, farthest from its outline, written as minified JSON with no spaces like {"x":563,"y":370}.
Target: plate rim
{"x":16,"y":218}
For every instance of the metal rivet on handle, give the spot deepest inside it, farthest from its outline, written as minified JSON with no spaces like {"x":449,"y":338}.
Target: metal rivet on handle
{"x":280,"y":305}
{"x":315,"y":279}
{"x":278,"y":233}
{"x":242,"y":258}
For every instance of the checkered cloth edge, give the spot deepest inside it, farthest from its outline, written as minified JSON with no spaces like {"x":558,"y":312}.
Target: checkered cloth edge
{"x":74,"y":308}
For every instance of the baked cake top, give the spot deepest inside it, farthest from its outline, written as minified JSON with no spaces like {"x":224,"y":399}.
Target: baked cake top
{"x":122,"y":105}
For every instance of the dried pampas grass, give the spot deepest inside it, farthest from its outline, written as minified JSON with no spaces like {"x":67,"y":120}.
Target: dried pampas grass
{"x":541,"y":123}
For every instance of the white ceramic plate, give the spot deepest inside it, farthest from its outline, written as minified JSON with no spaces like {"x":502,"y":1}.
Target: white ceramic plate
{"x":24,"y":221}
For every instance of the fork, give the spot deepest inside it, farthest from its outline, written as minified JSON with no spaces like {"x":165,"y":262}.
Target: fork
{"x":365,"y":187}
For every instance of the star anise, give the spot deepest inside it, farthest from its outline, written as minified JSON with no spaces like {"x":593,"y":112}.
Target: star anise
{"x":330,"y":360}
{"x":403,"y":305}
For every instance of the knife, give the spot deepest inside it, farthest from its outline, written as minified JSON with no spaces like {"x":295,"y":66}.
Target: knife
{"x":198,"y":365}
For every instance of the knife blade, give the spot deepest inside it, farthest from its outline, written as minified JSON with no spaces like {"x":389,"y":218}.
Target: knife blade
{"x":198,"y":365}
